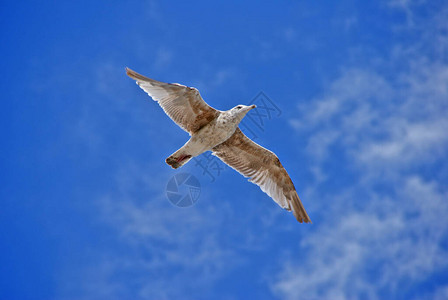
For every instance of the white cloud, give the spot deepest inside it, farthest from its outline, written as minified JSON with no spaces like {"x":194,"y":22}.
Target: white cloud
{"x":441,"y":293}
{"x":161,"y":244}
{"x":380,"y":122}
{"x":387,"y":229}
{"x":367,"y":251}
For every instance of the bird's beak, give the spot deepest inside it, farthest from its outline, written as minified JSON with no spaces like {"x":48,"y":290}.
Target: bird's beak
{"x":248,"y":108}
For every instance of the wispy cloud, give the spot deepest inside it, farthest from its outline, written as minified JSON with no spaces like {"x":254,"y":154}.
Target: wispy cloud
{"x":371,"y":251}
{"x":386,"y":230}
{"x":161,"y":244}
{"x":380,"y":122}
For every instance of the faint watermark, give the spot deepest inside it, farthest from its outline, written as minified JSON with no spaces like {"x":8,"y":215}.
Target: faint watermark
{"x":183,"y":190}
{"x":252,"y":125}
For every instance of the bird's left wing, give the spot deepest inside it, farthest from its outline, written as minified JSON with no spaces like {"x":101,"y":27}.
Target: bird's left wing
{"x":183,"y":104}
{"x":264,"y":169}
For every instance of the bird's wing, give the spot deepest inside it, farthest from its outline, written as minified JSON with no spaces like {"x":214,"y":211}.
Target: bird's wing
{"x":184,"y":105}
{"x":263,"y":168}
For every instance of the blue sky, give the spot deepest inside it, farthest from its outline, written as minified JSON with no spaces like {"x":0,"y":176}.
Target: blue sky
{"x":363,"y":93}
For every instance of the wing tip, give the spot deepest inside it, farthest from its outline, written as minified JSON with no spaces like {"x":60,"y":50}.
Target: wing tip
{"x":306,"y":221}
{"x":136,"y":76}
{"x":303,"y":219}
{"x":298,"y":210}
{"x":131,"y":73}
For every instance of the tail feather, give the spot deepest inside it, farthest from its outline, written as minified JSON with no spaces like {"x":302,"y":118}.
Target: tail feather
{"x":177,"y":160}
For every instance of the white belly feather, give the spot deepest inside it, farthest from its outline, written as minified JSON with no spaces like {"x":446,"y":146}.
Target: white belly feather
{"x":211,"y":135}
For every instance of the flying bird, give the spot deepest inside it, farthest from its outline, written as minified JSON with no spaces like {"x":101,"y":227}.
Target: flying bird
{"x":217,"y":131}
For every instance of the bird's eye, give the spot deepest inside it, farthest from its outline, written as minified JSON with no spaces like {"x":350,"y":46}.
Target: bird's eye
{"x":238,"y":107}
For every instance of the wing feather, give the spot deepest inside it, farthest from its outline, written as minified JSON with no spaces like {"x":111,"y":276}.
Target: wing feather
{"x":184,"y":105}
{"x":263,"y":168}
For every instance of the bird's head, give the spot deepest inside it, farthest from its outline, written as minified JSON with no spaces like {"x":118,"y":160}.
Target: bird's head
{"x":240,"y":111}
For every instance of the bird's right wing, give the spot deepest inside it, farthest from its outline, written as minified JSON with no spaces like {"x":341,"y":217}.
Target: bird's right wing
{"x":264,"y":169}
{"x":184,"y":105}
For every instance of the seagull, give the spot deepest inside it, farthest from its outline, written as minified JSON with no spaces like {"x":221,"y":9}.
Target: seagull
{"x":217,"y":131}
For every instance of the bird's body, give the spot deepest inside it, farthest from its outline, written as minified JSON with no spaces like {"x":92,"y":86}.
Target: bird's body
{"x":217,"y":131}
{"x":206,"y":138}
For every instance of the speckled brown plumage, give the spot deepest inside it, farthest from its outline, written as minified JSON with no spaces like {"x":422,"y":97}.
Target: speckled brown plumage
{"x":217,"y":131}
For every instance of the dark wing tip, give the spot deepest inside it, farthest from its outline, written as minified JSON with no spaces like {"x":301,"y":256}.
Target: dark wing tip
{"x":131,"y":73}
{"x":303,"y":219}
{"x":298,"y":210}
{"x":307,"y":220}
{"x":136,"y":76}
